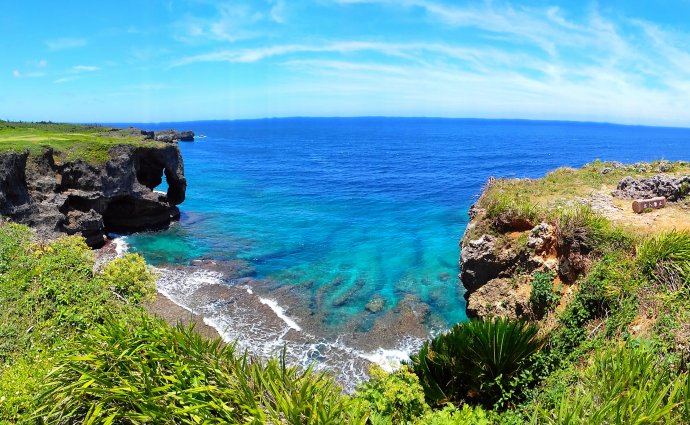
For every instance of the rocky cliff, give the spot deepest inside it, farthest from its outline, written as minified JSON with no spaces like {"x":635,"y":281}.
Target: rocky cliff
{"x":79,"y":197}
{"x":559,"y":226}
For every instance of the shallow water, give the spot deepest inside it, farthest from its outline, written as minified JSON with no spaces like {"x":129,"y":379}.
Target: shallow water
{"x":332,"y":215}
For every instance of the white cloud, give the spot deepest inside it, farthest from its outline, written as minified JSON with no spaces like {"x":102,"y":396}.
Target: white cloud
{"x":26,"y":74}
{"x":232,"y":22}
{"x":66,"y":43}
{"x":85,"y":68}
{"x":65,"y":80}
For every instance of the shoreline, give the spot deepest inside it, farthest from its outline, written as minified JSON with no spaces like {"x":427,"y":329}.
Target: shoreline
{"x":172,"y":313}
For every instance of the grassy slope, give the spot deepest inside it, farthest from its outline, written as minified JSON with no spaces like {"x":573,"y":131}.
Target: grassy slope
{"x":69,"y":141}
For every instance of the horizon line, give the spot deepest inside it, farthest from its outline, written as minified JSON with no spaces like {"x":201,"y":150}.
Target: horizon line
{"x":336,"y":117}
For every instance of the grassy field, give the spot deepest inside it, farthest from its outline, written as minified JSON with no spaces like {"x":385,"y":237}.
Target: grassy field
{"x":69,"y":141}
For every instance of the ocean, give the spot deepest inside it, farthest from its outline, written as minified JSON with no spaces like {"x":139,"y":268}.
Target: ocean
{"x":336,"y":240}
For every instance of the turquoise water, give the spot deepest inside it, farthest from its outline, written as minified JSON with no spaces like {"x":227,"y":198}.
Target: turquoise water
{"x":345,"y":210}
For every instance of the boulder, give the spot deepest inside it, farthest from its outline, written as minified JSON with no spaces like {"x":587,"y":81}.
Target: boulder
{"x":148,"y":135}
{"x":542,"y":238}
{"x":480,"y":262}
{"x":500,"y":298}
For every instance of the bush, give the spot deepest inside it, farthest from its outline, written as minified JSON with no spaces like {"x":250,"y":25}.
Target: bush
{"x":129,"y":278}
{"x":477,"y":361}
{"x":510,"y":205}
{"x":542,"y":297}
{"x":392,"y":398}
{"x":451,"y":415}
{"x":143,"y":371}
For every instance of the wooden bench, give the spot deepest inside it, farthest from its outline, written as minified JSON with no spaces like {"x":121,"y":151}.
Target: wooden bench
{"x":639,"y":205}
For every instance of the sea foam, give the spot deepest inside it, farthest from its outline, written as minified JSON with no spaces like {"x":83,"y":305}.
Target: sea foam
{"x":280,"y":312}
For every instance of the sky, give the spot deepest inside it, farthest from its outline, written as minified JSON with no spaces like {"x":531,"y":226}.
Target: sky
{"x":622,"y":61}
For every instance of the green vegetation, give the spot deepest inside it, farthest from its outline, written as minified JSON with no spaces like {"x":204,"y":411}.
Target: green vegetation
{"x":666,"y":258}
{"x":148,"y":372}
{"x":625,"y":385}
{"x":76,"y":346}
{"x":68,"y":141}
{"x":543,"y":297}
{"x":610,"y":346}
{"x":477,"y":361}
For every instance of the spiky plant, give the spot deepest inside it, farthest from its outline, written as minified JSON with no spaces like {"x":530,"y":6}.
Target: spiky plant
{"x":666,"y":258}
{"x":476,"y":360}
{"x":148,"y":372}
{"x":623,"y":385}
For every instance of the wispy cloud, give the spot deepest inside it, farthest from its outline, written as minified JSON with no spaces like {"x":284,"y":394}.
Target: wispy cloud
{"x":63,"y":80}
{"x":85,"y":68}
{"x":278,"y":11}
{"x":66,"y":43}
{"x":231,"y":22}
{"x":518,"y":61}
{"x":26,"y":74}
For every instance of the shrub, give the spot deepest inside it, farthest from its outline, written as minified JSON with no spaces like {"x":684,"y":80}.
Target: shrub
{"x":666,"y":258}
{"x":394,"y":398}
{"x":451,"y":415}
{"x":143,"y":371}
{"x":476,"y":361}
{"x":129,"y":278}
{"x":608,"y":283}
{"x":626,"y":385}
{"x":542,"y":297}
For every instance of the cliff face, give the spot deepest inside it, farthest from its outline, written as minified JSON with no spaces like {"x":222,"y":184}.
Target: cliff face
{"x":560,"y":225}
{"x":78,"y":197}
{"x":494,"y":264}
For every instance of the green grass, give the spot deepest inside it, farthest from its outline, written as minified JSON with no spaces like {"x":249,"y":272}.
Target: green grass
{"x":69,"y":141}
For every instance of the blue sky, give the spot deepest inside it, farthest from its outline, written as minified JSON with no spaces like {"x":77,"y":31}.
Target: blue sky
{"x":143,"y":61}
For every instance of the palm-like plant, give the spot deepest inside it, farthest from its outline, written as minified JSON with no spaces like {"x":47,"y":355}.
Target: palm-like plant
{"x":475,"y":360}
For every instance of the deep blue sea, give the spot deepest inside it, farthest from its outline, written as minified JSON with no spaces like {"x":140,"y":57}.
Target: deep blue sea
{"x":346,"y":211}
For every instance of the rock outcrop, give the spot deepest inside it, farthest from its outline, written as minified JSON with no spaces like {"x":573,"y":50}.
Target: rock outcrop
{"x":92,"y":200}
{"x":672,"y":188}
{"x":169,"y":136}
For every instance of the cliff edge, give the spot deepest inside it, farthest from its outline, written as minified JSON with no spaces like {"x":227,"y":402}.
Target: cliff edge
{"x":529,"y":241}
{"x":87,"y":180}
